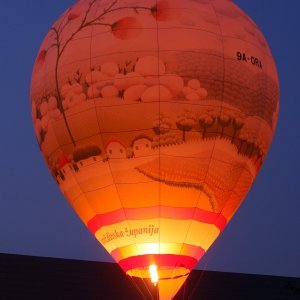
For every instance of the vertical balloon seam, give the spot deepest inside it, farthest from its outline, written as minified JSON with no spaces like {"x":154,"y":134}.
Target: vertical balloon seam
{"x":212,"y":151}
{"x":222,"y":41}
{"x":101,"y":135}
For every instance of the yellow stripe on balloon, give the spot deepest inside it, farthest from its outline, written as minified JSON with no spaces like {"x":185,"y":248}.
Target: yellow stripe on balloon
{"x":154,"y":248}
{"x":155,"y":230}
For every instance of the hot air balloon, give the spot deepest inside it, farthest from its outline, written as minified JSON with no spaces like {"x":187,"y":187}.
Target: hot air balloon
{"x":154,"y":118}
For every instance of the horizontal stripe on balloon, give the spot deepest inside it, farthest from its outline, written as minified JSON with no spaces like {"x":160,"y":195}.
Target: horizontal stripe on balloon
{"x":161,"y":260}
{"x":174,"y":231}
{"x":143,"y":213}
{"x":157,"y":248}
{"x":164,"y":273}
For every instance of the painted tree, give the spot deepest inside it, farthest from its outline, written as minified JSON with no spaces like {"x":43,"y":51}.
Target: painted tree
{"x":251,"y":145}
{"x":237,"y":124}
{"x":224,"y":121}
{"x":166,"y":139}
{"x":248,"y":138}
{"x":206,"y":121}
{"x":185,"y":122}
{"x":86,"y":151}
{"x":124,"y":28}
{"x":129,"y":152}
{"x":262,"y":149}
{"x":258,"y":146}
{"x":162,"y":124}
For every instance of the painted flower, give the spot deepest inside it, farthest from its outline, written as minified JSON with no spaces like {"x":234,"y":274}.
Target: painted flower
{"x":73,"y":16}
{"x":127,"y":28}
{"x":165,"y":10}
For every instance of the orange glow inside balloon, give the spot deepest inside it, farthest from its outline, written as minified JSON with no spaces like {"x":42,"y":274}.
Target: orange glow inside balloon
{"x":154,"y":118}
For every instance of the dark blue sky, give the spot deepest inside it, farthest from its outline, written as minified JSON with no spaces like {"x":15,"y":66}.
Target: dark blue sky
{"x":263,"y":236}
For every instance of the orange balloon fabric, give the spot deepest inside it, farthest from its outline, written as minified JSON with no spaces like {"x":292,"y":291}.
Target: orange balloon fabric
{"x":154,"y":118}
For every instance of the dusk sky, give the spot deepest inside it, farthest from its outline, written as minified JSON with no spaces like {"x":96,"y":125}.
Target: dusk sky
{"x":35,"y":219}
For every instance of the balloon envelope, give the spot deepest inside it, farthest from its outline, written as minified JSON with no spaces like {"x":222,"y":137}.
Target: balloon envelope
{"x":154,"y":118}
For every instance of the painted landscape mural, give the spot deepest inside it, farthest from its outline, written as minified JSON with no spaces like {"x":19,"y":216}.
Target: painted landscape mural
{"x":154,"y":118}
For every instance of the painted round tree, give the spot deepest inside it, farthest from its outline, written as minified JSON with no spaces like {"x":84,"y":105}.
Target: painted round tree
{"x":154,"y":118}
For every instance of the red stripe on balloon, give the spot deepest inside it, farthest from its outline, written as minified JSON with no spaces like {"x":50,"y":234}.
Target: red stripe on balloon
{"x":177,"y":213}
{"x":161,"y":260}
{"x":188,"y":250}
